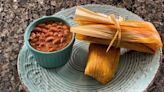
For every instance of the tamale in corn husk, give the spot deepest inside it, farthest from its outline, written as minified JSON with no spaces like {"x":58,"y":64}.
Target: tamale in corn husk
{"x":99,"y":28}
{"x":102,"y":65}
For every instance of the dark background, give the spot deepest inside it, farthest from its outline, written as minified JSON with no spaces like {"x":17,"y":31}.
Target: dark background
{"x":15,"y":15}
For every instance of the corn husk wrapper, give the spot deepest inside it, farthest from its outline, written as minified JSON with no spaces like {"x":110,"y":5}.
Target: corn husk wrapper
{"x":102,"y":65}
{"x":99,"y":28}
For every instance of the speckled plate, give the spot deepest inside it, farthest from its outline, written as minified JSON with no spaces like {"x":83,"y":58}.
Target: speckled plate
{"x":135,"y":72}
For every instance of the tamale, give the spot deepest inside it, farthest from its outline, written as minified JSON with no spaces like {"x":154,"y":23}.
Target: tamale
{"x":102,"y":65}
{"x":100,"y":28}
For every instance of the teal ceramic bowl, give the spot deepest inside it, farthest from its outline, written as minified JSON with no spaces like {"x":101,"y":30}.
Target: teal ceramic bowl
{"x":49,"y":59}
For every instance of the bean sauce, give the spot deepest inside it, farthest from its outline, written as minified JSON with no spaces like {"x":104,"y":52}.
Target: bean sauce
{"x":50,"y":36}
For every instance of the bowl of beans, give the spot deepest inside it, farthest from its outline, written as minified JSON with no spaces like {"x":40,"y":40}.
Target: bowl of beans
{"x":50,"y":41}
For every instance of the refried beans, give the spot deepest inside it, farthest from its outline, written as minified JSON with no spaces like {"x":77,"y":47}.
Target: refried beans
{"x":50,"y":36}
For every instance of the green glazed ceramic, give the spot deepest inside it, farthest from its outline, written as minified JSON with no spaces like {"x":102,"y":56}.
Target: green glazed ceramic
{"x":49,"y":59}
{"x":135,"y":72}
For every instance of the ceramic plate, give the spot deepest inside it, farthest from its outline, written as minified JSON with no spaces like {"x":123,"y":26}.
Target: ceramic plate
{"x":135,"y":72}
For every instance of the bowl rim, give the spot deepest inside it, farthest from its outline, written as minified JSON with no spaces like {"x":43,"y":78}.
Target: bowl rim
{"x":28,"y":31}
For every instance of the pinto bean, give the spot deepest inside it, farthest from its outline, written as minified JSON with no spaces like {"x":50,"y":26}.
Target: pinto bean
{"x":51,"y":49}
{"x":49,"y":34}
{"x":33,"y":35}
{"x":44,"y":30}
{"x":54,"y":25}
{"x":66,"y":33}
{"x":43,"y":25}
{"x":37,"y":43}
{"x":62,"y":40}
{"x":48,"y":26}
{"x":57,"y":40}
{"x":60,"y":35}
{"x":38,"y":29}
{"x":34,"y":40}
{"x":53,"y":29}
{"x":55,"y":34}
{"x":59,"y":27}
{"x":49,"y":39}
{"x":65,"y":27}
{"x":41,"y":44}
